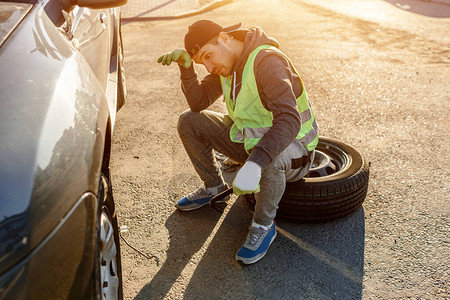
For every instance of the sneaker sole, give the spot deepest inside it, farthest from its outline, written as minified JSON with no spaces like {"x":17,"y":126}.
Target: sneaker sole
{"x":256,"y":258}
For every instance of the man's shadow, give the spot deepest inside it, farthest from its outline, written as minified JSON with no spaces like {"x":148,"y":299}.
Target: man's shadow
{"x":188,"y":232}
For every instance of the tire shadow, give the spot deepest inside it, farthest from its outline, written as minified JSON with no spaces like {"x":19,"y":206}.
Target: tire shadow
{"x":305,"y":261}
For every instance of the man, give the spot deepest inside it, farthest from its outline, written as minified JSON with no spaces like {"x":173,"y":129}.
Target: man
{"x":270,"y":125}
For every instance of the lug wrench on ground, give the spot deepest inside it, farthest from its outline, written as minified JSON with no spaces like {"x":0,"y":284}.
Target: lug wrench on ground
{"x":218,"y":197}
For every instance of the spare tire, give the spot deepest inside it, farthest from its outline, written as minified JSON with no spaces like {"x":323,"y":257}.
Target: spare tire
{"x":335,"y":186}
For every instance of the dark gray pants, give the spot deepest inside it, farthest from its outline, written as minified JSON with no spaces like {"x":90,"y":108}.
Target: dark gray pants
{"x":205,"y":131}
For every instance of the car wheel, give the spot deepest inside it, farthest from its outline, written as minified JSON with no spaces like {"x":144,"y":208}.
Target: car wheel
{"x":121,"y":83}
{"x":335,"y":186}
{"x":109,"y":263}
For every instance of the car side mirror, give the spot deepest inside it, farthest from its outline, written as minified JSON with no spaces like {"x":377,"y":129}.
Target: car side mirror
{"x":68,"y":5}
{"x":100,"y":4}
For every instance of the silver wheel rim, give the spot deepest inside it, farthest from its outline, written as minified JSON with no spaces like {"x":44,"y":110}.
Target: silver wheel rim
{"x":108,"y":259}
{"x":328,"y":160}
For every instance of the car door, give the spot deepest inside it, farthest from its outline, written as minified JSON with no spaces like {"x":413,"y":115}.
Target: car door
{"x":92,"y":31}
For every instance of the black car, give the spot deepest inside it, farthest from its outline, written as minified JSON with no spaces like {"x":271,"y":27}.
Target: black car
{"x":62,"y":82}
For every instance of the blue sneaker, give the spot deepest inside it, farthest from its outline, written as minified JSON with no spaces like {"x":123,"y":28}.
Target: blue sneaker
{"x":200,"y":197}
{"x":257,"y":243}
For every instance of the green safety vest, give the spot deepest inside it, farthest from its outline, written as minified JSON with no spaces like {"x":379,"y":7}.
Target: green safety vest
{"x":252,"y":120}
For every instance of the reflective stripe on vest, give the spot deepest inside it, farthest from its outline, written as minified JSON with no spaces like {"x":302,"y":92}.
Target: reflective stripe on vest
{"x":249,"y":130}
{"x":254,"y":133}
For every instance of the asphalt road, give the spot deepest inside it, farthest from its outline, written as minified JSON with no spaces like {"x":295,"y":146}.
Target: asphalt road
{"x":378,"y":78}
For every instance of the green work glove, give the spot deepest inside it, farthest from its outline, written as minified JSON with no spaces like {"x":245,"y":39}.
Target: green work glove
{"x":178,"y":55}
{"x":247,"y":179}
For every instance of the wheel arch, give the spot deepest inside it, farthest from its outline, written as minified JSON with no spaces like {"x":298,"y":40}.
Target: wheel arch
{"x":106,"y":204}
{"x":107,"y":148}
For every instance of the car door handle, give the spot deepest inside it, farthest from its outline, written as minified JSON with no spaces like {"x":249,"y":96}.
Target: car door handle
{"x":103,"y":18}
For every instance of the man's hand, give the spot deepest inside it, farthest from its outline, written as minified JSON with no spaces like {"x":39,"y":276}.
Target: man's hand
{"x":178,"y":55}
{"x":247,"y":179}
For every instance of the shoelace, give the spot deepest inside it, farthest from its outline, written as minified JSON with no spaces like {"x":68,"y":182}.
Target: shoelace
{"x":254,"y":235}
{"x":194,"y":194}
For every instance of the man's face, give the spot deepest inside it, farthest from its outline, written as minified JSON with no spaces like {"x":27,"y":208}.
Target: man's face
{"x":218,"y":58}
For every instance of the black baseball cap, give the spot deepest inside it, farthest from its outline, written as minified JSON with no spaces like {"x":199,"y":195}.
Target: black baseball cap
{"x":201,"y":32}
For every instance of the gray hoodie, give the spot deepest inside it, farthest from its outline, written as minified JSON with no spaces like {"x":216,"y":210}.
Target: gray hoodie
{"x":278,"y":86}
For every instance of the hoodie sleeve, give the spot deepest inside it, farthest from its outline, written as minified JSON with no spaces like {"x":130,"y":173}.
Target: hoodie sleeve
{"x":278,"y":86}
{"x":199,"y":95}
